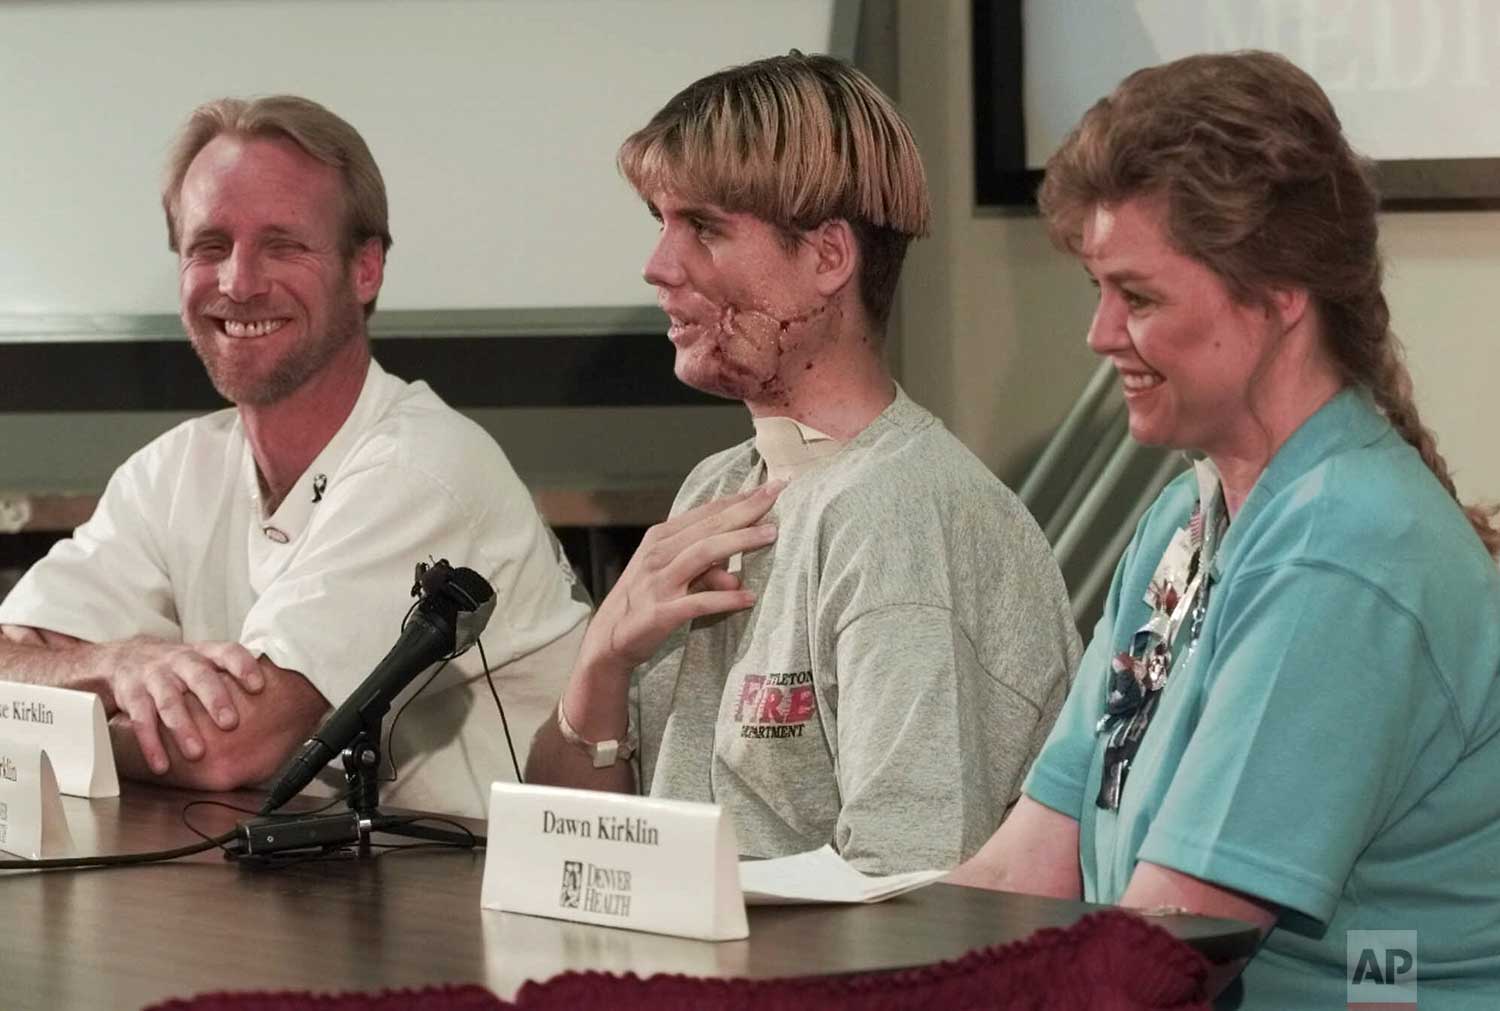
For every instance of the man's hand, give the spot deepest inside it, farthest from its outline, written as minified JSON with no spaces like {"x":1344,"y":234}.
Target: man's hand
{"x":677,"y":575}
{"x":149,"y":680}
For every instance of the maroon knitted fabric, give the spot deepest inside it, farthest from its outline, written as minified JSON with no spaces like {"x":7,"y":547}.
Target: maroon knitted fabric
{"x":1108,"y":961}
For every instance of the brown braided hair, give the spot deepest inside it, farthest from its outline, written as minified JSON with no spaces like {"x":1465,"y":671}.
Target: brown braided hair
{"x":1262,"y":187}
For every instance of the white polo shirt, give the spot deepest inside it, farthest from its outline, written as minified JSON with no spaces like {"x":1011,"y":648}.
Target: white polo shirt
{"x":180,"y":548}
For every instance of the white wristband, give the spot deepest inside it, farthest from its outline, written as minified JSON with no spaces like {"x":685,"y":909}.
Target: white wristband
{"x":602,"y":753}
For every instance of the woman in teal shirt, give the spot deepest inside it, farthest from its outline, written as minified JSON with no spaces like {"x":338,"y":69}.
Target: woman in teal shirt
{"x":1289,"y":713}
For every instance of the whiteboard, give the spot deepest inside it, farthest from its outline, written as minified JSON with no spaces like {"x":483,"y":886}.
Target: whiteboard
{"x":494,"y":122}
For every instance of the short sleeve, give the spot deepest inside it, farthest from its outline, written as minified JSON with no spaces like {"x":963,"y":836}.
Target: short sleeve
{"x":109,"y":580}
{"x":1306,"y":735}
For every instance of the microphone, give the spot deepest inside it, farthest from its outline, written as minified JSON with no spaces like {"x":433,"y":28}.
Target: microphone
{"x":456,"y":604}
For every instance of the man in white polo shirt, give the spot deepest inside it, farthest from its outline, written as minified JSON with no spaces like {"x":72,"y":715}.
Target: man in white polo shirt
{"x":245,"y":571}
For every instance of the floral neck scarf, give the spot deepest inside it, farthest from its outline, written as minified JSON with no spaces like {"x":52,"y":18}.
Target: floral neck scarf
{"x":1178,"y":595}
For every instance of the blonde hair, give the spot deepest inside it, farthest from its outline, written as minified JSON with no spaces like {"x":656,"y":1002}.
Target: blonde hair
{"x":317,"y":131}
{"x":794,"y":140}
{"x":1262,"y":187}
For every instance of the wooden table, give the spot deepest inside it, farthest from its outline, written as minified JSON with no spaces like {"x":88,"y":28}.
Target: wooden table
{"x":126,"y":937}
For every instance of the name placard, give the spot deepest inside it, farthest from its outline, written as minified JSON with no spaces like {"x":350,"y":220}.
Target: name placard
{"x":69,"y":725}
{"x":32,"y":823}
{"x":663,"y":866}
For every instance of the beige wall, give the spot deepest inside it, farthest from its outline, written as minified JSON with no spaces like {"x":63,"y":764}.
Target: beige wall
{"x":992,"y":319}
{"x":1443,"y":275}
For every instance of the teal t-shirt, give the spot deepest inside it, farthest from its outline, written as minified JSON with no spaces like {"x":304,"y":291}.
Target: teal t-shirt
{"x":1331,"y":742}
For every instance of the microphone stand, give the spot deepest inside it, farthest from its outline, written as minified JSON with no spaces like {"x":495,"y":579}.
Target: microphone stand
{"x":262,"y":837}
{"x":453,"y":608}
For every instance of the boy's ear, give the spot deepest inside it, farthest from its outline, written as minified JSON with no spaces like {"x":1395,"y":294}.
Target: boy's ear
{"x":835,"y":253}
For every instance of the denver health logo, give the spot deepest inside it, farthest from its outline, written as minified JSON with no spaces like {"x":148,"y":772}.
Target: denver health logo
{"x":1382,"y":970}
{"x":572,"y":884}
{"x":596,"y":889}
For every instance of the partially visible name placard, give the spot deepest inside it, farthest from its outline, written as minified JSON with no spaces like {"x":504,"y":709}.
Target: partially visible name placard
{"x":70,"y":726}
{"x":32,"y":824}
{"x":663,"y":866}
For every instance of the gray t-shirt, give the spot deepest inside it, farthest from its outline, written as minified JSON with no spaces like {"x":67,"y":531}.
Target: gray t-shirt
{"x":909,"y":649}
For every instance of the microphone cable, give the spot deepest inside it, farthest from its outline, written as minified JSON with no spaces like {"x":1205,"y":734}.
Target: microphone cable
{"x":221,"y":842}
{"x":390,"y":734}
{"x":289,"y":858}
{"x":390,"y":748}
{"x":150,"y":856}
{"x":504,"y":723}
{"x":117,"y":859}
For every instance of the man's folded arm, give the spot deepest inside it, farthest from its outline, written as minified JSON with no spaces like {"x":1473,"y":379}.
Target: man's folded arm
{"x":271,"y":724}
{"x":205,"y":715}
{"x":38,"y":656}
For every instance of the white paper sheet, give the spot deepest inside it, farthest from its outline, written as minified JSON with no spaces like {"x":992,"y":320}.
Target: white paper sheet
{"x":821,"y":876}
